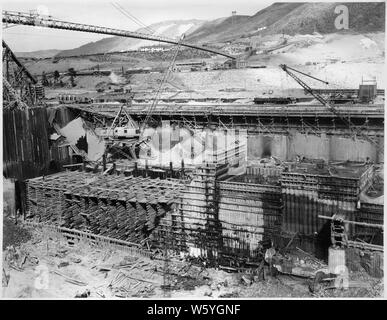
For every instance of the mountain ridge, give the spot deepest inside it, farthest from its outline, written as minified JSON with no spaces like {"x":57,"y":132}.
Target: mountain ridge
{"x":168,"y":28}
{"x":296,"y":18}
{"x":281,"y":17}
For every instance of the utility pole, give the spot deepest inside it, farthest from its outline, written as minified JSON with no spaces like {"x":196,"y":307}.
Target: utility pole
{"x":166,"y":271}
{"x":233,"y":14}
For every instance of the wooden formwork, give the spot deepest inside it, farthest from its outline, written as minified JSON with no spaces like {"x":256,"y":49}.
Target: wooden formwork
{"x":249,"y":214}
{"x":93,"y":239}
{"x":218,"y":219}
{"x":264,"y":171}
{"x":118,"y":207}
{"x":371,"y":213}
{"x":305,"y":196}
{"x":206,"y":217}
{"x":193,"y":227}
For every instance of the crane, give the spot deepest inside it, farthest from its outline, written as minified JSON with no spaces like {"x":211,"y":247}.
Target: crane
{"x":168,"y":236}
{"x":290,"y":71}
{"x":124,"y":132}
{"x":156,"y":98}
{"x":133,"y":18}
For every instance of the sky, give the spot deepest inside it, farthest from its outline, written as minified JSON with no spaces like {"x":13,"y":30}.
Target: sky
{"x":102,"y":13}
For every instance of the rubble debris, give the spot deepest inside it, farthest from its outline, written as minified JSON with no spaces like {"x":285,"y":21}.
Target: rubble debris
{"x":100,"y":293}
{"x":15,"y":268}
{"x":61,"y":253}
{"x":5,"y":278}
{"x":246,"y":280}
{"x":70,"y":280}
{"x":16,"y":258}
{"x":233,"y":294}
{"x":290,"y":263}
{"x":84,"y":294}
{"x":185,"y":275}
{"x":138,"y":278}
{"x":14,"y":234}
{"x":310,"y":257}
{"x":124,"y":285}
{"x":208,"y":293}
{"x":104,"y":269}
{"x":76,"y":260}
{"x":63,"y":264}
{"x":372,"y":263}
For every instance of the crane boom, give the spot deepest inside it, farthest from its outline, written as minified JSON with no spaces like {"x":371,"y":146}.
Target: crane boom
{"x":161,"y":87}
{"x":28,"y":19}
{"x":323,"y":101}
{"x":303,"y":73}
{"x":116,"y":135}
{"x":20,"y":104}
{"x":308,"y":88}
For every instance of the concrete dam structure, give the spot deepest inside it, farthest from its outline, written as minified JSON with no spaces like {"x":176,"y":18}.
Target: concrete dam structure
{"x":285,"y":131}
{"x":248,"y":184}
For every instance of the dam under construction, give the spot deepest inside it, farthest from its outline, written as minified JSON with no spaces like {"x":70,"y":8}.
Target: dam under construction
{"x":215,"y":192}
{"x":207,"y":183}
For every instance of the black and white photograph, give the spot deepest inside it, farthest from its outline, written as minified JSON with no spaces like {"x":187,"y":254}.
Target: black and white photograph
{"x":192,"y":150}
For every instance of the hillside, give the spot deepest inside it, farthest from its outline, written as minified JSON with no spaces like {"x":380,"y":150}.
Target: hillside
{"x":171,"y":29}
{"x":226,"y":29}
{"x":222,"y":28}
{"x":288,"y":18}
{"x":38,"y":54}
{"x":293,"y":18}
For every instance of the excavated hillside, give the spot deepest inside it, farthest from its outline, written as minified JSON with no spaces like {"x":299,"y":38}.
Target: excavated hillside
{"x":293,"y":18}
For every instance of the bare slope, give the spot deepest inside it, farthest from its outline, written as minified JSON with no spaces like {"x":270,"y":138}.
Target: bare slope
{"x":172,"y":29}
{"x":294,"y":18}
{"x":288,"y":18}
{"x":38,"y":54}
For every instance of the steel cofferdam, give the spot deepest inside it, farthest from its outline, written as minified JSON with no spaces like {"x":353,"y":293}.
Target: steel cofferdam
{"x":39,"y":21}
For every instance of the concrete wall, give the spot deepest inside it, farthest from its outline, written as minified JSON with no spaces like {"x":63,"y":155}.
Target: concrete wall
{"x":174,"y":144}
{"x":327,"y":147}
{"x":8,"y":197}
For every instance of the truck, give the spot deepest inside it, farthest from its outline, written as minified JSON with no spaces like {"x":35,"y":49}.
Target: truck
{"x":299,"y":265}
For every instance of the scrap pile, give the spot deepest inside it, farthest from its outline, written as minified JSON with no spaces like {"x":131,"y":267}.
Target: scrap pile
{"x":137,"y":277}
{"x":119,"y":207}
{"x":134,"y":277}
{"x":17,"y":257}
{"x":123,"y":286}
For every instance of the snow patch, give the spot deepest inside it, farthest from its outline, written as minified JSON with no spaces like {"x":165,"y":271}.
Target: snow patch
{"x":161,"y":29}
{"x":367,"y":43}
{"x":184,"y":28}
{"x":115,"y":78}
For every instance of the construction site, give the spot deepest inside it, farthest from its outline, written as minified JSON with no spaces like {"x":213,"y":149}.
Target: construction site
{"x":125,"y":193}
